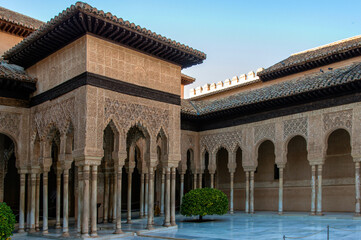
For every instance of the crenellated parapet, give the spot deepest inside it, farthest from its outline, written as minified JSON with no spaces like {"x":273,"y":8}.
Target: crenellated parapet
{"x":242,"y":80}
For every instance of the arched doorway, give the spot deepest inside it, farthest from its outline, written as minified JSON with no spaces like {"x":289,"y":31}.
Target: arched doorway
{"x":266,"y":179}
{"x":338,"y":192}
{"x":297,"y":175}
{"x":222,"y":172}
{"x":206,"y":181}
{"x":188,"y":177}
{"x":9,"y":177}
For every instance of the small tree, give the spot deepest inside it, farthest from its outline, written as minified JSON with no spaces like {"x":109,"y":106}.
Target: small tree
{"x":204,"y":201}
{"x":7,"y":221}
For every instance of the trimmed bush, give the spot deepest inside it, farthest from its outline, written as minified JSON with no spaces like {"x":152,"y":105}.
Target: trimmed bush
{"x":204,"y":201}
{"x":7,"y":221}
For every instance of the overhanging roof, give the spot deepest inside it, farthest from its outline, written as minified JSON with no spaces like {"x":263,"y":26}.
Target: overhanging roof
{"x":82,"y":18}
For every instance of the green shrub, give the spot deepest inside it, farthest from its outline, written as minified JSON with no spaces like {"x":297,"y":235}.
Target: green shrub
{"x":7,"y":221}
{"x":204,"y":201}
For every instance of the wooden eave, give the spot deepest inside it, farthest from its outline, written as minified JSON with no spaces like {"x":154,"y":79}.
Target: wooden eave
{"x":15,"y":29}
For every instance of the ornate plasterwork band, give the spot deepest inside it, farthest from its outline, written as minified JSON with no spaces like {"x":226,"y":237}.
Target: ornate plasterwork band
{"x":10,"y":123}
{"x":266,"y":131}
{"x":230,"y":140}
{"x":340,"y":119}
{"x":294,"y":127}
{"x":125,"y":114}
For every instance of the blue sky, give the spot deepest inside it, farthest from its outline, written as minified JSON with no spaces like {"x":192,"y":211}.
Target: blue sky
{"x":237,"y":36}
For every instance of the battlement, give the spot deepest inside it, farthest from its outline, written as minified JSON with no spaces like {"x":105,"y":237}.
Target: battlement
{"x":236,"y":81}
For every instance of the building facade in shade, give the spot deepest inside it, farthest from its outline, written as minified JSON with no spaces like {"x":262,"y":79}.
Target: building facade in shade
{"x":93,"y":121}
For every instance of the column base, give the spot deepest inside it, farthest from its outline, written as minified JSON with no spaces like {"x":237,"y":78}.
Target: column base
{"x":58,"y":226}
{"x":129,"y":221}
{"x":167,"y":225}
{"x":37,"y":229}
{"x":21,"y":230}
{"x":173,"y":224}
{"x":114,"y":221}
{"x":65,"y":234}
{"x":32,"y":230}
{"x":280,"y":213}
{"x":357,"y":215}
{"x":150,"y":227}
{"x":85,"y":235}
{"x":319,"y":214}
{"x":45,"y":232}
{"x":312,"y":213}
{"x":105,"y":220}
{"x":118,"y":231}
{"x":231,"y":212}
{"x":94,"y":234}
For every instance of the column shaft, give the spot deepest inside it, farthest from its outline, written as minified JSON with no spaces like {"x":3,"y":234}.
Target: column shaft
{"x":181,"y":187}
{"x":45,"y":203}
{"x":80,"y":198}
{"x":141,"y":195}
{"x":357,"y":188}
{"x":280,"y":191}
{"x":172,"y":200}
{"x":146,"y":194}
{"x":194,"y":180}
{"x":22,"y":202}
{"x":167,"y":198}
{"x":33,"y":200}
{"x":150,"y":199}
{"x":212,"y":180}
{"x":58,"y":199}
{"x":231,"y":192}
{"x":247,"y":192}
{"x":93,"y":203}
{"x":114,"y":214}
{"x":319,"y":190}
{"x":37,"y":203}
{"x":118,"y":225}
{"x":162,"y":193}
{"x":200,"y":180}
{"x":252,"y":192}
{"x":106,"y":197}
{"x":66,"y":203}
{"x":129,"y":203}
{"x":85,"y":212}
{"x":313,"y":193}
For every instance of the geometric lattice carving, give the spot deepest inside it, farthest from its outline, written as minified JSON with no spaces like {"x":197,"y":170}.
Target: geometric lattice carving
{"x":59,"y":114}
{"x":228,"y":139}
{"x":126,"y":113}
{"x":296,"y":126}
{"x":10,"y":122}
{"x":264,"y":131}
{"x":337,"y":120}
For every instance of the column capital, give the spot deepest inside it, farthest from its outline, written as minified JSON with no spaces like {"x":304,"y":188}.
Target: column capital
{"x":281,"y":165}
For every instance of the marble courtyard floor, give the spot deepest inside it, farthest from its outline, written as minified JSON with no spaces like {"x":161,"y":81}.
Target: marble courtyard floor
{"x":262,"y":225}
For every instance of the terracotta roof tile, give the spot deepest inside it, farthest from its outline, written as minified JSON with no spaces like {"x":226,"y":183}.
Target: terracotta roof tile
{"x":19,"y":19}
{"x":292,"y":87}
{"x":14,"y":72}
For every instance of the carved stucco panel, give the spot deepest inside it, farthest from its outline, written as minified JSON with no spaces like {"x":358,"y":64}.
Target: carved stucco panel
{"x":10,"y":122}
{"x":126,"y":114}
{"x":228,"y":139}
{"x":340,"y":119}
{"x":266,"y":131}
{"x":294,"y":127}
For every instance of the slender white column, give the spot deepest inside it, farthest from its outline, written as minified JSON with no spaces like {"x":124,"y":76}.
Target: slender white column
{"x":58,"y":199}
{"x":106,"y":196}
{"x":357,"y":188}
{"x":33,"y":200}
{"x":66,"y":203}
{"x":319,"y":190}
{"x":150,"y":199}
{"x":252,"y":192}
{"x":200,"y":180}
{"x":37,"y":203}
{"x":181,"y":187}
{"x":280,"y":191}
{"x":93,"y":203}
{"x":80,"y":197}
{"x":22,"y":202}
{"x":45,"y":203}
{"x":85,"y":212}
{"x":194,"y":180}
{"x":162,"y":193}
{"x":212,"y":180}
{"x":231,"y":192}
{"x":167,"y":198}
{"x":28,"y":204}
{"x":141,"y":195}
{"x":172,"y":197}
{"x":129,"y":203}
{"x":247,"y":192}
{"x":146,"y":194}
{"x":114,"y":215}
{"x":313,"y":194}
{"x":118,"y":225}
{"x":111,"y":205}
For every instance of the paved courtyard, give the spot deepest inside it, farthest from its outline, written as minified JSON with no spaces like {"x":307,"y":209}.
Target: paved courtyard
{"x":259,"y":226}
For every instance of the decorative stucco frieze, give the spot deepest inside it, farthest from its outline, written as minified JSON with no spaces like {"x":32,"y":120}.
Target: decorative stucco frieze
{"x":230,"y":140}
{"x":125,"y":114}
{"x":340,"y":119}
{"x":266,"y":131}
{"x":10,"y":122}
{"x":294,"y":127}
